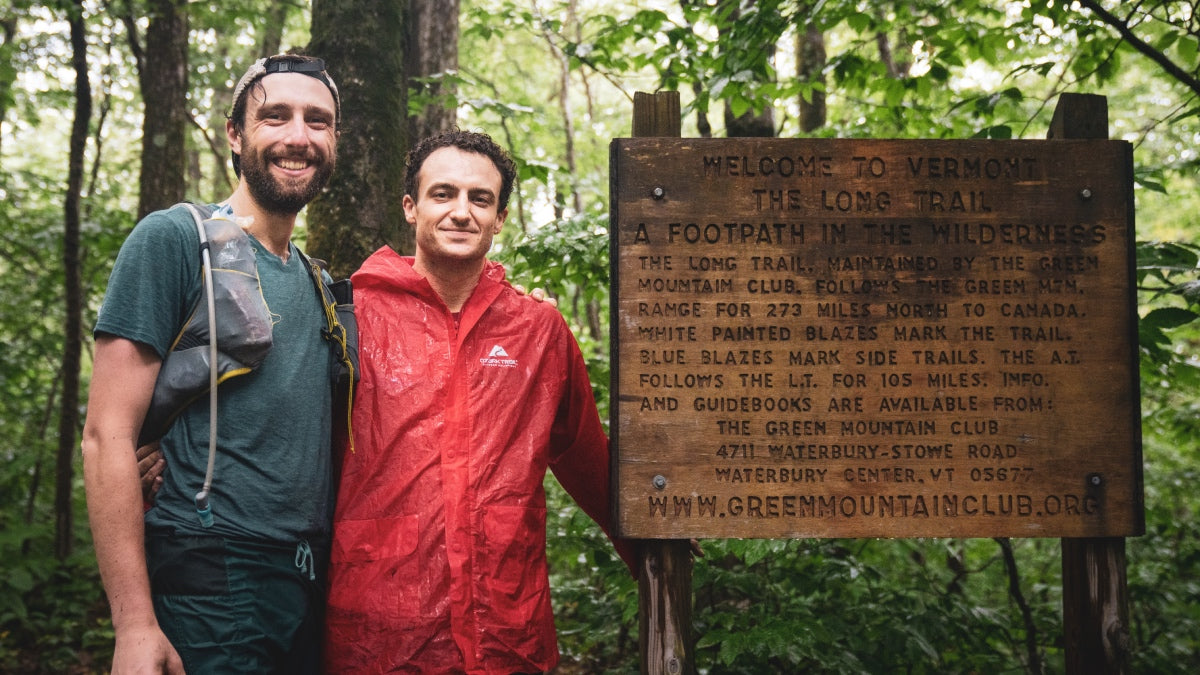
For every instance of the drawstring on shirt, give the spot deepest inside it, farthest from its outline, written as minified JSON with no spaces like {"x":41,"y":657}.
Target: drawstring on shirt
{"x":304,"y":560}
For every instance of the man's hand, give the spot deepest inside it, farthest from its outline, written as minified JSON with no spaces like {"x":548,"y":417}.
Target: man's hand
{"x":150,"y":468}
{"x":537,"y":294}
{"x":145,"y":650}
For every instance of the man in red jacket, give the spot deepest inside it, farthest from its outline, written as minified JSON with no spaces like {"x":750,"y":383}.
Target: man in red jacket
{"x":467,"y":396}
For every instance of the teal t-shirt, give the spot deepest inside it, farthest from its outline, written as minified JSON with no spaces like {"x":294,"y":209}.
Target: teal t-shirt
{"x":272,"y":480}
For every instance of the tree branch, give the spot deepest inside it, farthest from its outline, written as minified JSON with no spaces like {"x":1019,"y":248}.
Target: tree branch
{"x":215,"y":147}
{"x":1014,"y":591}
{"x":131,"y":34}
{"x":1122,"y":27}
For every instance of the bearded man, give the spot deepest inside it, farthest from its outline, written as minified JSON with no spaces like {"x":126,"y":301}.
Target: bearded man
{"x":243,"y":592}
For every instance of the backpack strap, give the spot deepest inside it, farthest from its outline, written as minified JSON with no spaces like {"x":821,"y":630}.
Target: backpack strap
{"x":203,"y":510}
{"x":341,"y":332}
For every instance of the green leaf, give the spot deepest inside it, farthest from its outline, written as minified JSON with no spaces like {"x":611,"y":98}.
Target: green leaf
{"x":20,"y":580}
{"x":738,"y":106}
{"x":1000,"y":132}
{"x":1169,"y":317}
{"x":860,"y":22}
{"x":1152,"y":185}
{"x":1186,"y":50}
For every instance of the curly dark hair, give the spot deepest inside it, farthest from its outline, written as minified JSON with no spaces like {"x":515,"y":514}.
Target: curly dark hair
{"x":467,"y":141}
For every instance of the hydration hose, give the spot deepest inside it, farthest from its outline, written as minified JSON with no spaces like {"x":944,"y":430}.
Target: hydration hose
{"x":203,"y":509}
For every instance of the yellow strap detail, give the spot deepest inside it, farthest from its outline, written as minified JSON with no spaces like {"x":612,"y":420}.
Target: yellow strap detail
{"x":337,"y":332}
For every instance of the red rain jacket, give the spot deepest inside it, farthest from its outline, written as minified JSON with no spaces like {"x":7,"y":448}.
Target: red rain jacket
{"x":439,"y":538}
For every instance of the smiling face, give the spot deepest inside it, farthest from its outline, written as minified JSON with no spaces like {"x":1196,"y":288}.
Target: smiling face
{"x":456,"y":211}
{"x":288,"y":144}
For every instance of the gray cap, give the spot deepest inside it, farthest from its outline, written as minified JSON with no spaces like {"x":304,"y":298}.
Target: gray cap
{"x":288,"y":63}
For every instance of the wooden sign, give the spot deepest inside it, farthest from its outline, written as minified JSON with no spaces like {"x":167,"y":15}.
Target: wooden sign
{"x":874,"y":338}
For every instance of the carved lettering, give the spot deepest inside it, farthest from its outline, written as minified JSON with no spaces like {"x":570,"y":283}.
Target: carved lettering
{"x":900,"y":338}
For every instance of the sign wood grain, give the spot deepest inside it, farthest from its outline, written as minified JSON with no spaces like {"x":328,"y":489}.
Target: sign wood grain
{"x":874,"y":338}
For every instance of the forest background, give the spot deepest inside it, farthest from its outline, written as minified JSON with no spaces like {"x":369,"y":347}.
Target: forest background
{"x":112,"y":108}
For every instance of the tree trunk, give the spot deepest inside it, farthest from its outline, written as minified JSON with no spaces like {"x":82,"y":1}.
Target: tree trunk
{"x":360,"y":209}
{"x":8,"y":74}
{"x":68,"y":419}
{"x":35,"y":478}
{"x":564,"y":109}
{"x":272,"y":29}
{"x":749,"y":124}
{"x":105,"y":107}
{"x":163,"y":76}
{"x":810,"y":67}
{"x":887,"y":52}
{"x":1033,"y":658}
{"x":703,"y":127}
{"x":432,"y":49}
{"x":221,"y":178}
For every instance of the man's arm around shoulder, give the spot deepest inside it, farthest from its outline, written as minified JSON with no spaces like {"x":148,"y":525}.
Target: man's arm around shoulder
{"x":123,"y":376}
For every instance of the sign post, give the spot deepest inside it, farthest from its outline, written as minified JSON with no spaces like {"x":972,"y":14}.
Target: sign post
{"x":874,"y":338}
{"x":1095,"y":590}
{"x":665,"y":565}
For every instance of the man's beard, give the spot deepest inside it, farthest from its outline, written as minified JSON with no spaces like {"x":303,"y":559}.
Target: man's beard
{"x":284,"y":197}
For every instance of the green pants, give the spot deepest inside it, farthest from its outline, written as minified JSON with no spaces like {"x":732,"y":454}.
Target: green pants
{"x":238,"y":607}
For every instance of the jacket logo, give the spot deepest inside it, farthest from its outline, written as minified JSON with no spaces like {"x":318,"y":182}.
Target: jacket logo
{"x":498,"y":358}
